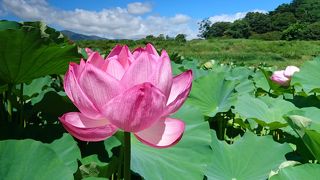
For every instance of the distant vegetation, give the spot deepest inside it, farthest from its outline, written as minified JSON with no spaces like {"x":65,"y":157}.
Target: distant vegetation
{"x":242,"y":41}
{"x":254,"y":52}
{"x":299,"y":20}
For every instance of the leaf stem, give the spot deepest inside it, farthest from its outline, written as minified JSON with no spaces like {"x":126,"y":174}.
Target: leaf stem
{"x":119,"y":173}
{"x":127,"y":156}
{"x":9,"y":104}
{"x":21,"y":106}
{"x":2,"y":109}
{"x":221,"y":126}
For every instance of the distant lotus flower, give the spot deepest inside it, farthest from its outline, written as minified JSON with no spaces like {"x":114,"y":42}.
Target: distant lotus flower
{"x":134,"y":92}
{"x":283,"y":77}
{"x":290,"y":70}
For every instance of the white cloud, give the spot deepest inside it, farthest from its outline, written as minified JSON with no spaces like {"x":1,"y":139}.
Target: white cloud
{"x":139,"y":8}
{"x":180,"y":19}
{"x":232,"y":17}
{"x":116,"y":22}
{"x":175,"y":25}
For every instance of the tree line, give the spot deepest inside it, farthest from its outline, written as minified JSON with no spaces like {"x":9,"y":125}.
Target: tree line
{"x":298,"y":20}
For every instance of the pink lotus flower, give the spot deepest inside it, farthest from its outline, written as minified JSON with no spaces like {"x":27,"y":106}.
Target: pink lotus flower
{"x":88,"y":51}
{"x":283,"y":77}
{"x":290,"y":70}
{"x":133,"y":92}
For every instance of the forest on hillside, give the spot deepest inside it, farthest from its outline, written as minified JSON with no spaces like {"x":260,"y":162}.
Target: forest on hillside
{"x":298,"y":20}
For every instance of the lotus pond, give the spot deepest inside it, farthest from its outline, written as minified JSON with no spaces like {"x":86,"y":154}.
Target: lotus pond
{"x":238,"y":123}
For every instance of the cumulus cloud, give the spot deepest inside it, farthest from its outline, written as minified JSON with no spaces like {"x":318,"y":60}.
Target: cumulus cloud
{"x":118,"y":23}
{"x":180,"y":19}
{"x":139,"y":8}
{"x":232,"y":17}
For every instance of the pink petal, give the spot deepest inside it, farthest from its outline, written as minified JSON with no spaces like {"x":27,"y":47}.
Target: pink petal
{"x":137,"y":52}
{"x":122,"y":54}
{"x":87,"y":129}
{"x":151,"y":50}
{"x":164,"y":133}
{"x":115,"y":51}
{"x":96,"y":59}
{"x":279,"y":78}
{"x":78,"y":69}
{"x":140,"y":71}
{"x":164,"y":79}
{"x":115,"y":69}
{"x":145,"y":70}
{"x":180,"y":90}
{"x":135,"y":109}
{"x":290,"y":70}
{"x":77,"y":96}
{"x":88,"y":51}
{"x":148,"y":51}
{"x":99,"y":86}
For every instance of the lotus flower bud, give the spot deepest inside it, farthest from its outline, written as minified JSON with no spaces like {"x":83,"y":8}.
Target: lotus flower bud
{"x":283,"y":77}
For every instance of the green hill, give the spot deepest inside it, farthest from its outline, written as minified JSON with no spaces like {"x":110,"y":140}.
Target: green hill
{"x":299,"y":19}
{"x":76,"y":37}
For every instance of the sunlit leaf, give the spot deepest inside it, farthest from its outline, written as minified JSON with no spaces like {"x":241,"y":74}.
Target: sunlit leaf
{"x":308,"y":77}
{"x":67,"y":149}
{"x":249,"y":158}
{"x":304,"y":171}
{"x":212,"y":94}
{"x":30,"y":159}
{"x":267,"y":111}
{"x":306,"y":124}
{"x":26,"y":54}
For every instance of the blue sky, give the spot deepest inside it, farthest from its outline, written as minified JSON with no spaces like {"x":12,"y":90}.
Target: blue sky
{"x":196,"y":9}
{"x":131,"y":18}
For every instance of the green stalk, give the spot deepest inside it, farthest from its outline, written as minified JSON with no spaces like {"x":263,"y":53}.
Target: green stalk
{"x":119,"y":173}
{"x":2,"y":110}
{"x":221,"y":126}
{"x":127,"y":156}
{"x":9,"y":104}
{"x":21,"y":106}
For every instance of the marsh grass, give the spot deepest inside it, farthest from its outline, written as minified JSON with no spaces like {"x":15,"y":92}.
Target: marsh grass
{"x":247,"y":51}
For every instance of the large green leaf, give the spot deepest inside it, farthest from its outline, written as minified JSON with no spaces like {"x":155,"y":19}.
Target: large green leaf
{"x":239,"y":73}
{"x":241,"y":76}
{"x":28,"y":53}
{"x":306,"y":124}
{"x":267,"y":111}
{"x":304,"y":171}
{"x":245,"y":86}
{"x":36,"y":87}
{"x":261,"y":81}
{"x":193,"y":65}
{"x":212,"y":94}
{"x":186,"y":160}
{"x":36,"y":90}
{"x":313,"y":114}
{"x":250,"y":157}
{"x":29,"y":159}
{"x":67,"y":149}
{"x":111,"y":143}
{"x":308,"y":77}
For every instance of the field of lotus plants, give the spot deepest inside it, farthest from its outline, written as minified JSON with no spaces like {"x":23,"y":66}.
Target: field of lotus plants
{"x":72,"y":113}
